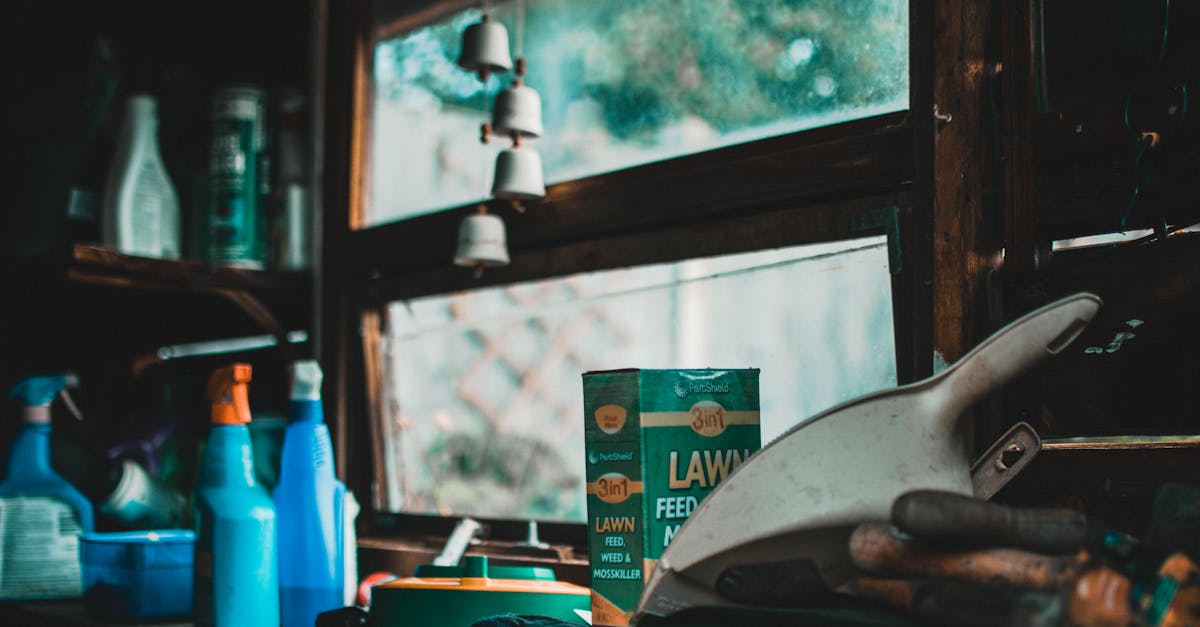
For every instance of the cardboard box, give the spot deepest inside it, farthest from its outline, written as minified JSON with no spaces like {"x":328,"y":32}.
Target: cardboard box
{"x":657,"y":442}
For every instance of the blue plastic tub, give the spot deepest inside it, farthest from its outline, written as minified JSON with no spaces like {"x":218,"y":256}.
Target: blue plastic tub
{"x":138,"y":575}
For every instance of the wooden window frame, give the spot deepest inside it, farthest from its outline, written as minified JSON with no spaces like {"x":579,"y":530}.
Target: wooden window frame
{"x":793,"y":189}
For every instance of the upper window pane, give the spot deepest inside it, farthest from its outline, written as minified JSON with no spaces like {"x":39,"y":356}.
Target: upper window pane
{"x":626,"y":83}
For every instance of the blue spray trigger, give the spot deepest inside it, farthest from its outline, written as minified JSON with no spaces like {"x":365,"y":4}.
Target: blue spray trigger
{"x":40,"y":390}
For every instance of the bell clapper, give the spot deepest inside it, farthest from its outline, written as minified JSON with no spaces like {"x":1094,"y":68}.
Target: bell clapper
{"x":485,"y":133}
{"x":517,"y":206}
{"x":479,"y":270}
{"x":520,"y":72}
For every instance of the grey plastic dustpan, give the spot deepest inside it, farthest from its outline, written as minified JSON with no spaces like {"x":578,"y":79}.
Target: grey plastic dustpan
{"x":796,"y":501}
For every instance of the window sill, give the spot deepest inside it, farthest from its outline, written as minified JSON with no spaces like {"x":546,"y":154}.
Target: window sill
{"x":401,"y":556}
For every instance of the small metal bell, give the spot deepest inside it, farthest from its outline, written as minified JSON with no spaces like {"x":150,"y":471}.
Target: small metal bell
{"x":518,"y":110}
{"x":485,"y":48}
{"x":481,"y":241}
{"x":518,"y":174}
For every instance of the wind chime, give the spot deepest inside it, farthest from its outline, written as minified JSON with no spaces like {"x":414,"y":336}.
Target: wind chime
{"x":516,"y":115}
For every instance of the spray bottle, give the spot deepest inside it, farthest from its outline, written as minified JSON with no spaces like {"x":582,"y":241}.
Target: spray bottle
{"x":310,"y":499}
{"x":41,"y":514}
{"x":236,"y":578}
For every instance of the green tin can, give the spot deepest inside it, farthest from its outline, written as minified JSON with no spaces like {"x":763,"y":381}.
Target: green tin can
{"x":236,"y":233}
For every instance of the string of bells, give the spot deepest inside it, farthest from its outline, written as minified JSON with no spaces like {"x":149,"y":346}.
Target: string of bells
{"x":517,"y":114}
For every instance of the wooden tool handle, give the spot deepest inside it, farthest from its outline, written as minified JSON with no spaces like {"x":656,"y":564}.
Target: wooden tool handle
{"x":959,"y":604}
{"x":1100,"y":598}
{"x":874,"y":548}
{"x":963,"y":521}
{"x":895,"y":593}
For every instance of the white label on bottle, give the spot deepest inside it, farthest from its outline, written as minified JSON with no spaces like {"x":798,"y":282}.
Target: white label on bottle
{"x":147,"y":208}
{"x":39,"y":549}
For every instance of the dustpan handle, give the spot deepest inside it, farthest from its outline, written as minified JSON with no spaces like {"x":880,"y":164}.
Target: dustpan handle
{"x":1011,"y":351}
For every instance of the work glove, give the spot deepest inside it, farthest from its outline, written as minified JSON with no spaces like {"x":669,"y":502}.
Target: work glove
{"x":949,"y":559}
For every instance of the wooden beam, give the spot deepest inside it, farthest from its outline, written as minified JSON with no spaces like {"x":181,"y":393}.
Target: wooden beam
{"x":1116,"y":484}
{"x":965,"y":245}
{"x":912,"y":292}
{"x":1016,"y":101}
{"x":747,"y":231}
{"x":345,"y":45}
{"x":394,"y":19}
{"x":961,"y":173}
{"x":857,"y":159}
{"x":379,"y":418}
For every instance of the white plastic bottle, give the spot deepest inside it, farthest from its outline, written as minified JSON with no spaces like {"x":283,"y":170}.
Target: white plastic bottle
{"x":141,"y":209}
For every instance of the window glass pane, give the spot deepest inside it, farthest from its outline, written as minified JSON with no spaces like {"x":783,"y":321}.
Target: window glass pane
{"x":485,"y":391}
{"x":627,"y":82}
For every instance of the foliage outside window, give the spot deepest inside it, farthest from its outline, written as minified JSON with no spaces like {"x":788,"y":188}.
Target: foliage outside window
{"x":626,"y":83}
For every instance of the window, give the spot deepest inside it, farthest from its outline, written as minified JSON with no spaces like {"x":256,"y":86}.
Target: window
{"x":626,"y":83}
{"x":485,"y":395}
{"x":770,"y":217}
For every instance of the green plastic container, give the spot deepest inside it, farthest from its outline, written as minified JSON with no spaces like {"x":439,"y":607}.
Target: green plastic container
{"x":456,"y":596}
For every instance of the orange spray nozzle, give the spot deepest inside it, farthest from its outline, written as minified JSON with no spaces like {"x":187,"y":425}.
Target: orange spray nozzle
{"x":230,"y":396}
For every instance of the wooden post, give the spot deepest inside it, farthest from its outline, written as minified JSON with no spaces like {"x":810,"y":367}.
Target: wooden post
{"x":961,"y":164}
{"x":1016,"y":102}
{"x":912,"y":290}
{"x":343,"y":38}
{"x":975,"y":140}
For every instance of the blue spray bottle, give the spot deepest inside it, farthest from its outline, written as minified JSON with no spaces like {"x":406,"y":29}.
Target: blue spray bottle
{"x":309,"y":501}
{"x":236,"y":578}
{"x":41,"y":514}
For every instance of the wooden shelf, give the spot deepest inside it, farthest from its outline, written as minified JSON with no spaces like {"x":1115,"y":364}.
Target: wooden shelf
{"x":68,"y":613}
{"x":99,"y":265}
{"x":1114,"y":481}
{"x":96,"y":264}
{"x":85,"y":302}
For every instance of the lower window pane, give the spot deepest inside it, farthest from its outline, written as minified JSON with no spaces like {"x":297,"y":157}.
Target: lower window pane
{"x":485,"y":391}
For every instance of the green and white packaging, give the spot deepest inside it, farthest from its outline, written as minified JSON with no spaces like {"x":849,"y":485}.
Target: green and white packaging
{"x":657,"y":442}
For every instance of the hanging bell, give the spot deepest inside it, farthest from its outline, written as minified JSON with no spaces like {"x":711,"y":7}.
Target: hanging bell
{"x":518,"y":110}
{"x":481,"y":241}
{"x":485,"y":48}
{"x":518,"y":174}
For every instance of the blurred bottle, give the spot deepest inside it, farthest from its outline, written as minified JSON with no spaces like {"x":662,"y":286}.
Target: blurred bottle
{"x":237,"y":177}
{"x":310,"y":500}
{"x":236,"y":571}
{"x":141,"y":209}
{"x":83,"y":196}
{"x":141,"y":501}
{"x":291,"y":239}
{"x":41,"y":513}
